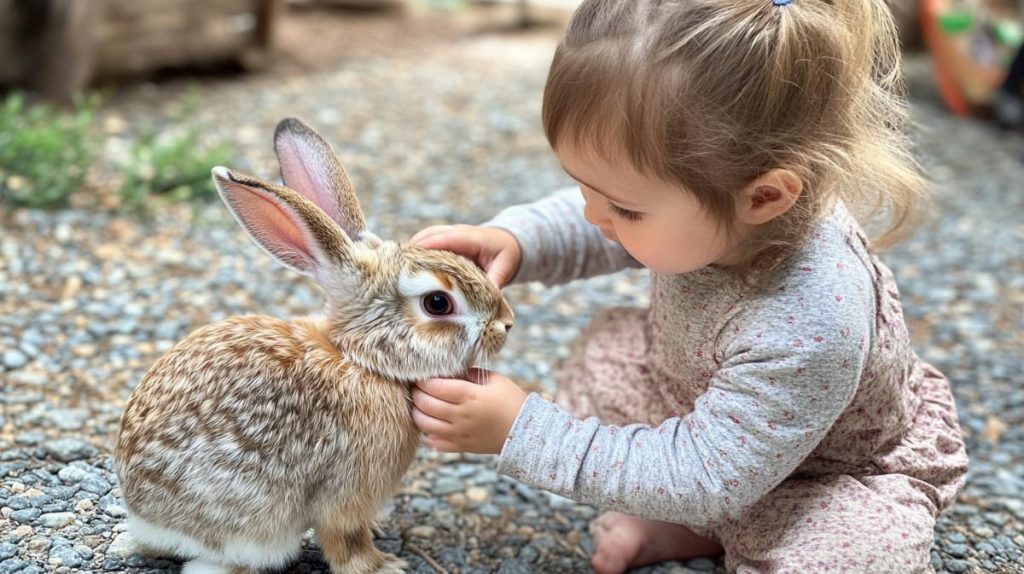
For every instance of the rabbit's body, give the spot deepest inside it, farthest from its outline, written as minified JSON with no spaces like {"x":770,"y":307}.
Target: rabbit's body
{"x":247,"y":477}
{"x":252,"y":430}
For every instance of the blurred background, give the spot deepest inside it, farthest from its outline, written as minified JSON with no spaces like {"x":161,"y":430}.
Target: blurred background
{"x":113,"y":246}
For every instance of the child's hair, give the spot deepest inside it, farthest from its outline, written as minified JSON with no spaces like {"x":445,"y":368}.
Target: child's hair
{"x":710,"y":94}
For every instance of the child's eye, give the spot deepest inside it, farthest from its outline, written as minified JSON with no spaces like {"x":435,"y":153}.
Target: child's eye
{"x":625,"y":213}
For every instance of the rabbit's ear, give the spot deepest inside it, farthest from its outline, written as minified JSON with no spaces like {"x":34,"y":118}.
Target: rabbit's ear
{"x":286,"y":225}
{"x":309,"y":166}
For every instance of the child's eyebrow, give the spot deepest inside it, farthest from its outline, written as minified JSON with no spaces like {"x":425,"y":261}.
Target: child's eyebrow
{"x":607,"y":195}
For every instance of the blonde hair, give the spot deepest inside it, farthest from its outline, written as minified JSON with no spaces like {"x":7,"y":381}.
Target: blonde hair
{"x":710,"y":94}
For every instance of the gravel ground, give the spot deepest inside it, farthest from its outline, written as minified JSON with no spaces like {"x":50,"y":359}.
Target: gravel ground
{"x":88,"y":299}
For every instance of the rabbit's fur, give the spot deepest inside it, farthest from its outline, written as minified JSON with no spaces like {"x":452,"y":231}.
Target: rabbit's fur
{"x":254,"y":429}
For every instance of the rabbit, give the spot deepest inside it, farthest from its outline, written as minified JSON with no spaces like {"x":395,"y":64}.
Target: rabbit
{"x":252,"y":430}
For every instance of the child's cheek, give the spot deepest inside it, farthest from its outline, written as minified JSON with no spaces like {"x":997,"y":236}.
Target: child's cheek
{"x":638,"y":247}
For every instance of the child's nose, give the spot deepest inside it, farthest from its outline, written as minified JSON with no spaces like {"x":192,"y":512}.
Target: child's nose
{"x":592,"y":211}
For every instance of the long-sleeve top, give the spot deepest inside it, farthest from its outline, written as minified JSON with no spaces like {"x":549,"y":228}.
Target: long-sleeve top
{"x":807,"y":371}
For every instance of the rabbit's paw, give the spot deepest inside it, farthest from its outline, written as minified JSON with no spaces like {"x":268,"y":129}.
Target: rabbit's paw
{"x":381,"y":564}
{"x":394,"y":565}
{"x":204,"y":567}
{"x":363,"y":558}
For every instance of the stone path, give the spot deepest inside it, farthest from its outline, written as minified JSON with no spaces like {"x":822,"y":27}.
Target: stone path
{"x":88,"y":300}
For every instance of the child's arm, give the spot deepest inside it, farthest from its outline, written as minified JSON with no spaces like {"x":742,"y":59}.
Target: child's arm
{"x":557,"y":243}
{"x":775,"y":396}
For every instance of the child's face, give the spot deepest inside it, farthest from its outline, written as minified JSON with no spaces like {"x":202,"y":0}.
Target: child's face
{"x":661,"y":225}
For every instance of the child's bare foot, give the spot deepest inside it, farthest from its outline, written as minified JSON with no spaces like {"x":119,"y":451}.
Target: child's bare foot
{"x":622,"y":542}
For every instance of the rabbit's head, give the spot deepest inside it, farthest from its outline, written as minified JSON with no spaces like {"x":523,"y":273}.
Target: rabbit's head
{"x":402,"y":311}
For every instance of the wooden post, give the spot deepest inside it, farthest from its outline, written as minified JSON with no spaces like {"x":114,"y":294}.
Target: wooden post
{"x":267,"y":17}
{"x":10,"y":69}
{"x":524,"y":14}
{"x":56,"y":47}
{"x":63,"y":47}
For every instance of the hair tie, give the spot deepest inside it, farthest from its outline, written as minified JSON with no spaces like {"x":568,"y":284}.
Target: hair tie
{"x":780,"y":2}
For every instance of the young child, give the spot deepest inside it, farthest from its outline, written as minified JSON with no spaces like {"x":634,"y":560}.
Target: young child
{"x":768,"y":404}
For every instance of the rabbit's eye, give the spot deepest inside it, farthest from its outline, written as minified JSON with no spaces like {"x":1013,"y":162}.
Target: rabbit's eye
{"x":438,"y":303}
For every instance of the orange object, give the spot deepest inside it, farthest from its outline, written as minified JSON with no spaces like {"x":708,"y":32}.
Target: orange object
{"x":966,"y":79}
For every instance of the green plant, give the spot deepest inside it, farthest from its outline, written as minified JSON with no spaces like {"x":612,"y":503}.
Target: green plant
{"x":174,"y":164}
{"x":45,"y":153}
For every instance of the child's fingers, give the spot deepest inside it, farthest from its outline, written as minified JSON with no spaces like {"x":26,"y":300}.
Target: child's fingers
{"x":499,"y":263}
{"x":429,"y":424}
{"x":502,"y":269}
{"x":461,"y":242}
{"x":432,"y":406}
{"x":441,"y":444}
{"x":450,"y":390}
{"x":429,"y":232}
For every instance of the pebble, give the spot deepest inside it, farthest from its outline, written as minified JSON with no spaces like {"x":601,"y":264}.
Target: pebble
{"x":69,"y":449}
{"x":956,"y":537}
{"x":513,"y":566}
{"x":957,"y":550}
{"x":57,"y":520}
{"x":701,"y":564}
{"x":528,"y":554}
{"x":996,"y":518}
{"x":446,"y":485}
{"x":95,"y":485}
{"x":72,"y":474}
{"x":490,"y":510}
{"x":38,"y":544}
{"x":421,"y":531}
{"x":122,"y":546}
{"x":65,"y":556}
{"x":14,"y":359}
{"x":957,"y":566}
{"x":445,"y":519}
{"x":477,"y":495}
{"x":423,"y":505}
{"x":528,"y":493}
{"x":982,"y":531}
{"x":29,"y":438}
{"x":486,"y":476}
{"x":84,"y":505}
{"x":26,"y":515}
{"x":12,"y":565}
{"x":457,"y":501}
{"x":115,"y":511}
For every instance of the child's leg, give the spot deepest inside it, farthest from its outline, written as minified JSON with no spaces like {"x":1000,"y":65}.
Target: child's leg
{"x":606,"y":374}
{"x":623,"y":542}
{"x":932,"y":450}
{"x":836,"y":524}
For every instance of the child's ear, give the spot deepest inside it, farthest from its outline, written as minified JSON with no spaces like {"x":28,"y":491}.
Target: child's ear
{"x":768,"y":196}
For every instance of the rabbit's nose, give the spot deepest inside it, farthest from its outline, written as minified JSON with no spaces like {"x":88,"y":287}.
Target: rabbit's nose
{"x":508,"y":327}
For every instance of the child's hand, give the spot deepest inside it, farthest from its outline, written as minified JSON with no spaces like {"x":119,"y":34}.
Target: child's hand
{"x":472,"y":415}
{"x":495,"y":250}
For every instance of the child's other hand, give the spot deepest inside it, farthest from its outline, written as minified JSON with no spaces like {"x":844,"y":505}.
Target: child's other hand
{"x":472,"y":415}
{"x":495,"y":250}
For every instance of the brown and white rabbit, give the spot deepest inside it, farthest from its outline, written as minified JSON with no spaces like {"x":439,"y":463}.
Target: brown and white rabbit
{"x":254,"y":429}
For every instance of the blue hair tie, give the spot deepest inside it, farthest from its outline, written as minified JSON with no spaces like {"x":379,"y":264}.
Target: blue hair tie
{"x":780,"y":2}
